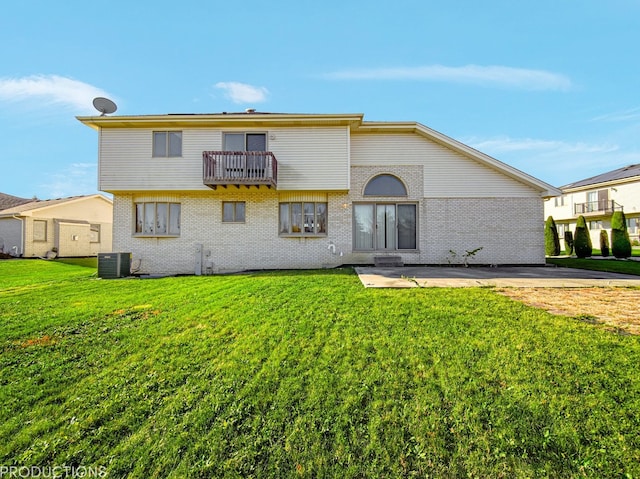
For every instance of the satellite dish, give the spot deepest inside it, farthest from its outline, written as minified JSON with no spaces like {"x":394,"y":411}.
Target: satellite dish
{"x":104,"y":105}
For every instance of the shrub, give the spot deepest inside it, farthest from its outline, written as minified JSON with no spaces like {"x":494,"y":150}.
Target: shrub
{"x":551,"y":239}
{"x":568,"y":242}
{"x":604,"y":243}
{"x":582,"y":239}
{"x":620,"y":243}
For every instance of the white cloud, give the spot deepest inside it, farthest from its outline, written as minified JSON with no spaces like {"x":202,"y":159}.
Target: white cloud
{"x":50,"y":90}
{"x":554,"y":161}
{"x":492,"y":75}
{"x":625,"y":115}
{"x":506,"y":144}
{"x":72,"y":180}
{"x":243,"y":93}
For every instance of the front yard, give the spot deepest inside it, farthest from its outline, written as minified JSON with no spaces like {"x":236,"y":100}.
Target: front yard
{"x":305,"y":374}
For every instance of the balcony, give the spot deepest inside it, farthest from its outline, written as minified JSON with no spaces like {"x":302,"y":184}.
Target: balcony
{"x":248,"y":168}
{"x":593,"y":208}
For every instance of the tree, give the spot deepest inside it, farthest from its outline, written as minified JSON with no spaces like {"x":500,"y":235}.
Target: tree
{"x":568,"y":243}
{"x":551,"y":239}
{"x":620,"y":242}
{"x":604,"y":243}
{"x":582,"y":239}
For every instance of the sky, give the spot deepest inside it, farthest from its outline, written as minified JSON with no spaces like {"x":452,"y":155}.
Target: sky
{"x":550,"y":87}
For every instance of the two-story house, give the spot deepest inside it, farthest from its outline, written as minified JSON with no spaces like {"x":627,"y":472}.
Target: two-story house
{"x":596,"y":199}
{"x":210,"y":193}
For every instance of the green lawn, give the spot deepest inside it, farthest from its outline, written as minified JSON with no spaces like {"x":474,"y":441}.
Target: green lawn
{"x":305,"y":374}
{"x":610,"y":265}
{"x":635,"y":251}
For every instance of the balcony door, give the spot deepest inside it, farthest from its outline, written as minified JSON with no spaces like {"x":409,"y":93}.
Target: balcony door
{"x":603,"y":200}
{"x":245,"y":142}
{"x":248,"y":165}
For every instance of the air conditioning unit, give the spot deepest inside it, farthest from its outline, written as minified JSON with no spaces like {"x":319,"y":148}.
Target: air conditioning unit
{"x":114,"y":265}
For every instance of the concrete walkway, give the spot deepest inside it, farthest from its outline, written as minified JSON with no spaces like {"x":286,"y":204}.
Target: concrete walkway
{"x":502,"y":276}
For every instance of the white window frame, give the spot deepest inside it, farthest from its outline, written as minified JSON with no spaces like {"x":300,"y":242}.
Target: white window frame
{"x":289,"y":229}
{"x":167,"y":144}
{"x":140,"y":229}
{"x":596,"y":225}
{"x":41,"y":230}
{"x":245,"y":133}
{"x":234,"y":206}
{"x":94,"y":228}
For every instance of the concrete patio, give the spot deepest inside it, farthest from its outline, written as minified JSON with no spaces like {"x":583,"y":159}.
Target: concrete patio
{"x":502,"y":276}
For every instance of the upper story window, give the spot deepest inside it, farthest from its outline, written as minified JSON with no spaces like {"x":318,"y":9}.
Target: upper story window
{"x":167,"y":143}
{"x":559,"y":200}
{"x":245,"y":142}
{"x":385,"y":185}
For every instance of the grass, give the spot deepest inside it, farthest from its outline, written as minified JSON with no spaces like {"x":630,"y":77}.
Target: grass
{"x":305,"y":374}
{"x":89,"y":262}
{"x":635,"y":251}
{"x":608,"y":265}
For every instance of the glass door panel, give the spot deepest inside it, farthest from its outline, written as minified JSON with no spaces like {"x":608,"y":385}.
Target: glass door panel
{"x":363,"y":226}
{"x":385,"y":227}
{"x":406,"y":226}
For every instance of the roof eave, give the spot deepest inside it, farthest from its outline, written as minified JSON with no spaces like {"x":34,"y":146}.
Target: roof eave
{"x":220,"y":119}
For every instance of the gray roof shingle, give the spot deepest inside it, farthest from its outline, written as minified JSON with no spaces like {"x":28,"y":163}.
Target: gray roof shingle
{"x":9,"y":201}
{"x":619,"y":174}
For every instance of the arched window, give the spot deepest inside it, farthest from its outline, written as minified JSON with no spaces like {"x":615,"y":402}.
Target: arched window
{"x":385,"y":185}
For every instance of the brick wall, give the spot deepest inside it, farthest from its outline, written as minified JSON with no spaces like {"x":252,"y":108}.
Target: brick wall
{"x":254,"y":244}
{"x":510,"y":230}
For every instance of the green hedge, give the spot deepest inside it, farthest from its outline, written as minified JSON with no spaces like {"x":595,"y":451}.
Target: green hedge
{"x":551,"y":239}
{"x":582,"y":239}
{"x":620,"y":242}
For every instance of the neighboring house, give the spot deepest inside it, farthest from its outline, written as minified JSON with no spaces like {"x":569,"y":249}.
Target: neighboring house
{"x":75,"y":226}
{"x":596,"y":199}
{"x":232,"y":191}
{"x":8,"y":201}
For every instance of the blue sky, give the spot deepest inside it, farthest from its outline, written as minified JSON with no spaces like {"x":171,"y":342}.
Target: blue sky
{"x":549,"y":87}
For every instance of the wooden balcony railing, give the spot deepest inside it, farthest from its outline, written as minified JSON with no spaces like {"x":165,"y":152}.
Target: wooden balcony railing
{"x":249,"y":168}
{"x":599,"y":207}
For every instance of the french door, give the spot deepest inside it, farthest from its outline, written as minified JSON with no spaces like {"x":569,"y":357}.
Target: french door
{"x":384,"y":226}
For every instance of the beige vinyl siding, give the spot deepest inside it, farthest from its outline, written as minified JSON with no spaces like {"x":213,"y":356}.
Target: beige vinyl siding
{"x":91,"y":210}
{"x":126,"y":162}
{"x":308,"y":158}
{"x":311,"y":158}
{"x":446,"y":172}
